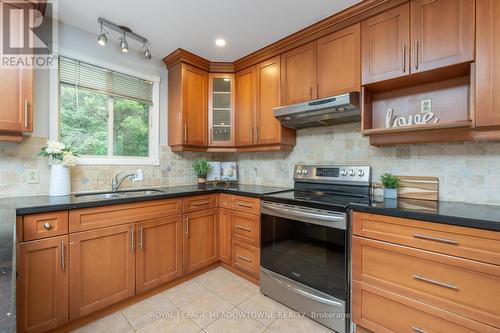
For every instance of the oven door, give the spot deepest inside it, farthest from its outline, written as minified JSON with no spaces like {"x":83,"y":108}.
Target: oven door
{"x":306,"y":245}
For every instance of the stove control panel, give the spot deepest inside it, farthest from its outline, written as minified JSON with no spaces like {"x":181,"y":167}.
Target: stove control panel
{"x":335,"y":174}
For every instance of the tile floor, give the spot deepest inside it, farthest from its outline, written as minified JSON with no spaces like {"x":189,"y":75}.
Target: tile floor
{"x":217,"y":301}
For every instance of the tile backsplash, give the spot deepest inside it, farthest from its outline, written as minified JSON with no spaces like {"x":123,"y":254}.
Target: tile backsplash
{"x":468,"y":172}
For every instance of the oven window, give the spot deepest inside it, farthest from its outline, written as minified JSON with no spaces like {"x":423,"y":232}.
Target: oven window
{"x":310,"y":254}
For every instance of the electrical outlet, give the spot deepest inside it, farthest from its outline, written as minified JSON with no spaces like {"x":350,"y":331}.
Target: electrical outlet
{"x":425,"y":105}
{"x":33,"y":177}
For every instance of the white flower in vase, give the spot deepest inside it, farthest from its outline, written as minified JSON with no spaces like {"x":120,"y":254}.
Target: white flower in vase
{"x":60,"y":159}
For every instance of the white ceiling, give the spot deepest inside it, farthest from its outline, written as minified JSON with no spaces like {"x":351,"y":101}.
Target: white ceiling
{"x":246,"y":25}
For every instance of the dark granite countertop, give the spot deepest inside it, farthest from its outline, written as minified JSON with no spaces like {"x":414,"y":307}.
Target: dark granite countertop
{"x":44,"y":203}
{"x":7,"y":264}
{"x":454,"y":213}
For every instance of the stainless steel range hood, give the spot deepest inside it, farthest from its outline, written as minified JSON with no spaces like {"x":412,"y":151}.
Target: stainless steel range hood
{"x":322,"y":112}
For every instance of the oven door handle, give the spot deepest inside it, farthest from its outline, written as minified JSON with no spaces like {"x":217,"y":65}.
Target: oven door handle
{"x":299,"y":213}
{"x":305,"y":293}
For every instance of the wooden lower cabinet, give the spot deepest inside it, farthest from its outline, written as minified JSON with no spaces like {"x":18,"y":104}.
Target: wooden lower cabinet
{"x":245,"y":257}
{"x":225,"y":216}
{"x":417,"y":276}
{"x":200,"y":241}
{"x":382,"y":311}
{"x":42,"y":285}
{"x":159,"y":252}
{"x":102,"y":268}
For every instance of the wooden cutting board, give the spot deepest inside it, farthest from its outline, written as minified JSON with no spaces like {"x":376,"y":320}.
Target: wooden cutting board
{"x":417,"y":187}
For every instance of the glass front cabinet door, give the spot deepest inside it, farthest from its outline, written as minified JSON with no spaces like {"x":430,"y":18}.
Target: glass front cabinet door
{"x":221,"y":110}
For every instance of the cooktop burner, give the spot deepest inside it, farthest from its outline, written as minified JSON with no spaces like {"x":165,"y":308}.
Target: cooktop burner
{"x":330,"y":187}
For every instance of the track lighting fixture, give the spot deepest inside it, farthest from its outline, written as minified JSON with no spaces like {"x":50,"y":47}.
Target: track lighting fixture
{"x":125,"y":33}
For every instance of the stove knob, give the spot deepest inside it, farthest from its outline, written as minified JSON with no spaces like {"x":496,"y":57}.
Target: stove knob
{"x":361,"y":173}
{"x":305,"y":172}
{"x":343,"y":172}
{"x":299,"y":171}
{"x":352,"y":173}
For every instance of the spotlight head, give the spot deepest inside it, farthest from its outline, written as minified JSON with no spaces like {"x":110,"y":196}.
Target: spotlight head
{"x":123,"y":44}
{"x":102,"y":39}
{"x":147,"y":53}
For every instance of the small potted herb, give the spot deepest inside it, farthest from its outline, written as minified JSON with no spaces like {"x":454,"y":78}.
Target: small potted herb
{"x":201,"y":167}
{"x":391,"y":185}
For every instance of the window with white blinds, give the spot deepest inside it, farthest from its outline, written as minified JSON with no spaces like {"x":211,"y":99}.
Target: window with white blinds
{"x":87,"y":76}
{"x":106,"y":116}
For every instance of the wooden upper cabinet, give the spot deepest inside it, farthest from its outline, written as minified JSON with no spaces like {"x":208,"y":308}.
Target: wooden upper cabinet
{"x":385,"y":45}
{"x":200,"y":244}
{"x":16,"y":92}
{"x":299,"y":74}
{"x":487,"y":63}
{"x":187,"y":107}
{"x":159,"y":252}
{"x":102,"y":268}
{"x":268,"y":130}
{"x":42,"y":287}
{"x":194,"y":100}
{"x":245,"y":107}
{"x":221,"y":110}
{"x":339,"y":62}
{"x":442,"y":33}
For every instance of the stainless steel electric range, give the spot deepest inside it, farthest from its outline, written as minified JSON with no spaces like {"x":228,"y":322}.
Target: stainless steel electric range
{"x":305,"y":241}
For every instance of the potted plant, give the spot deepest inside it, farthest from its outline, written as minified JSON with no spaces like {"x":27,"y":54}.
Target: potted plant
{"x":201,"y":167}
{"x":61,"y":158}
{"x":391,"y":185}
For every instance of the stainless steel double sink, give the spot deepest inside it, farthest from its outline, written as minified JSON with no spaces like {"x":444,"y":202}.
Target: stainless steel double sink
{"x":121,"y":194}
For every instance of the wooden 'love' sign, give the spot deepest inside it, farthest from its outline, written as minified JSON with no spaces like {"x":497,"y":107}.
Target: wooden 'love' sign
{"x":400,"y":121}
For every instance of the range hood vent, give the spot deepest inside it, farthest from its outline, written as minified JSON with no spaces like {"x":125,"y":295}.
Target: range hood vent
{"x":322,"y":112}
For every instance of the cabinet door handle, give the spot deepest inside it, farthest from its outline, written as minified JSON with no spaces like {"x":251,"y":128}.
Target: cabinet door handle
{"x":258,"y":134}
{"x":26,"y":112}
{"x":243,"y":258}
{"x":448,"y":285}
{"x":185,"y":133}
{"x":311,"y":93}
{"x":201,"y":203}
{"x":132,"y":239}
{"x":243,"y":228}
{"x":415,"y":53}
{"x":251,"y":135}
{"x":47,"y":226}
{"x":436,"y":239}
{"x":317,"y":91}
{"x":418,"y":329}
{"x":187,"y":227}
{"x":404,"y":58}
{"x":62,"y":255}
{"x":140,"y":237}
{"x":240,"y":204}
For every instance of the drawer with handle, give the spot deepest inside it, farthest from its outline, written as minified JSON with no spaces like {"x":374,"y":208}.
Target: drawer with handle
{"x":199,"y":202}
{"x":381,"y":311}
{"x":246,"y":204}
{"x":245,"y":257}
{"x":225,"y":200}
{"x":471,"y":243}
{"x":462,"y":286}
{"x":245,"y":227}
{"x":37,"y":226}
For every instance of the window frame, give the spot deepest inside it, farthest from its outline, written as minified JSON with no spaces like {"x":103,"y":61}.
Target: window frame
{"x":154,"y":114}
